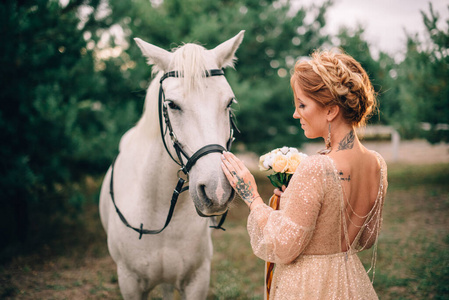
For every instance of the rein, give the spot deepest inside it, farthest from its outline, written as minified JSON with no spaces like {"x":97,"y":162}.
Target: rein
{"x":185,"y":167}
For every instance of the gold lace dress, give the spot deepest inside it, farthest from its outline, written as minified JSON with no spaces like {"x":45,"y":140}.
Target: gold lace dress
{"x":304,"y":237}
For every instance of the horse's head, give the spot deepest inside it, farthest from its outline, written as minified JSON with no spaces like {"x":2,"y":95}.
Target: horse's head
{"x":198,"y":108}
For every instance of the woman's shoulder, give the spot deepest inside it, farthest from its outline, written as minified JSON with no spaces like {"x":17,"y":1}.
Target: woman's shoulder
{"x":317,"y":159}
{"x":380,"y":160}
{"x":382,"y":165}
{"x":317,"y":163}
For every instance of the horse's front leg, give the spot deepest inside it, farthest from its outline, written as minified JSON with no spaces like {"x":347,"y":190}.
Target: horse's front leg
{"x":198,"y":285}
{"x":131,"y":286}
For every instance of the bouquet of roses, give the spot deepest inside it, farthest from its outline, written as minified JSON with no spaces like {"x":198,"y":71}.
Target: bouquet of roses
{"x":283,"y":161}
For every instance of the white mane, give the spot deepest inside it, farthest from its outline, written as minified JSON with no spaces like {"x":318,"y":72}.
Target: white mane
{"x":188,"y":59}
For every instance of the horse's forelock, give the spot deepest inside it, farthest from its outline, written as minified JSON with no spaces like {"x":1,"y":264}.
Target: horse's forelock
{"x":189,"y":59}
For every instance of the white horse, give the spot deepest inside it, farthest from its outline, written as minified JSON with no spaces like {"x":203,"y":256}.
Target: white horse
{"x":144,"y":176}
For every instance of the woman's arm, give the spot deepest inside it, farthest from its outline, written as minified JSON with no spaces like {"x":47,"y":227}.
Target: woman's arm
{"x":280,"y":236}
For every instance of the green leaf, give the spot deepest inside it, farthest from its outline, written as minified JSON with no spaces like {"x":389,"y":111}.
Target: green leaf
{"x":280,"y":179}
{"x":275,"y":180}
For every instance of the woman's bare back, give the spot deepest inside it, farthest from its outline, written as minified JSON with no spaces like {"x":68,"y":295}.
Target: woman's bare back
{"x":359,"y":172}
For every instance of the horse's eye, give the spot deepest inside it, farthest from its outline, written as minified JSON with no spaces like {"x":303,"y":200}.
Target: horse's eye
{"x":233,"y":100}
{"x":172,"y":105}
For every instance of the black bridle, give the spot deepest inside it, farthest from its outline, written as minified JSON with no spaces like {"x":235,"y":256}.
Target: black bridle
{"x":163,"y":112}
{"x":185,"y":167}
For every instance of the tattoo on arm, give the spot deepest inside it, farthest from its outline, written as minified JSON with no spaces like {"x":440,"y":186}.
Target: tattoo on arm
{"x":245,"y":190}
{"x":344,"y":178}
{"x":347,"y":142}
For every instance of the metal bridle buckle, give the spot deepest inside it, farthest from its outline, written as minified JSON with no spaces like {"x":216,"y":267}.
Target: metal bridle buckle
{"x":180,"y":172}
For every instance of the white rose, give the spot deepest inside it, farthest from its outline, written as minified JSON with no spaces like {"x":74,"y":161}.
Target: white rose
{"x":294,"y":150}
{"x":266,"y":165}
{"x":261,"y":162}
{"x":269,"y":160}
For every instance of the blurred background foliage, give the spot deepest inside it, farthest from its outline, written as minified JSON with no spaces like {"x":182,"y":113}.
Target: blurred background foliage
{"x":73,"y":82}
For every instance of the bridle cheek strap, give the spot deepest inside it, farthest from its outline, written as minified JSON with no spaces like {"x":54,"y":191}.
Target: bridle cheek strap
{"x":163,"y":113}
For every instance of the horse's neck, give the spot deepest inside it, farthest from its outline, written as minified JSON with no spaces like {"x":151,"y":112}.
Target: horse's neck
{"x":146,"y":169}
{"x":148,"y":126}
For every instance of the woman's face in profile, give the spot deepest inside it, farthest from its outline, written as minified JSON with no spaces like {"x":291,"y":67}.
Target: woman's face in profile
{"x":311,"y":114}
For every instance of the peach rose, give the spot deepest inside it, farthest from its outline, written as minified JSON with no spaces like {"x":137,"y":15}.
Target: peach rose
{"x":293,"y":162}
{"x":280,"y":163}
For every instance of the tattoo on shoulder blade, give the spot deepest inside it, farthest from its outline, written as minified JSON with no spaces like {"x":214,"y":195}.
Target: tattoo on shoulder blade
{"x":344,"y":178}
{"x":347,"y":142}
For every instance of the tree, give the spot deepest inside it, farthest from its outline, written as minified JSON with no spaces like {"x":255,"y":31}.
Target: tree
{"x":50,"y":122}
{"x":436,"y":111}
{"x":423,"y":83}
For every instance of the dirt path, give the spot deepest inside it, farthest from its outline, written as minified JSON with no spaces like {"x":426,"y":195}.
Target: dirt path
{"x":61,"y":278}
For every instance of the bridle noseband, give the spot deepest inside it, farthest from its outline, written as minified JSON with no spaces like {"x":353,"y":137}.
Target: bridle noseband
{"x":185,"y":167}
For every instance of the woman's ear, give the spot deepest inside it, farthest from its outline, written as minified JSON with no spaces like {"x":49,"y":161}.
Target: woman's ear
{"x":332,"y":112}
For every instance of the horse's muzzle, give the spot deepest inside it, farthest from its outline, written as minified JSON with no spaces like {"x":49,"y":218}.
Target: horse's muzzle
{"x":210,"y":207}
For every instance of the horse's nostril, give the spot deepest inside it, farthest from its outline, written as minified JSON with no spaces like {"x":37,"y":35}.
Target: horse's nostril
{"x":231,"y":197}
{"x":203,"y":195}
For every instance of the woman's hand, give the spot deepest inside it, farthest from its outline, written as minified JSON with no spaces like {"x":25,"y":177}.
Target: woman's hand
{"x":239,"y":177}
{"x":279,"y":192}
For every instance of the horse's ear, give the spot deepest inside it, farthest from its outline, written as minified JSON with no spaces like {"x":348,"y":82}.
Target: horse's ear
{"x":155,"y":55}
{"x":225,"y":52}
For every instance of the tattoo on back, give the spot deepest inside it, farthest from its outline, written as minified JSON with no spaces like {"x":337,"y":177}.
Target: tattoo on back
{"x":344,"y":178}
{"x":347,"y":142}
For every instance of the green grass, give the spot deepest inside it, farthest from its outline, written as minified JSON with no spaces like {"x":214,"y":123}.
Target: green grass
{"x":412,"y":263}
{"x":411,"y":176}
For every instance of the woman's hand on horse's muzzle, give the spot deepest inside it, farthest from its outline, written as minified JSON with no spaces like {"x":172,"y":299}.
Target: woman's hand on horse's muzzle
{"x":239,"y":177}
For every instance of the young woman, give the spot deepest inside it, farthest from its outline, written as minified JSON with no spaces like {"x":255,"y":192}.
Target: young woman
{"x":332,"y":208}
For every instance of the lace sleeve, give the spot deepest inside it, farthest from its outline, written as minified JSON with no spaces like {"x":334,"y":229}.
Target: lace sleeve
{"x":280,"y":236}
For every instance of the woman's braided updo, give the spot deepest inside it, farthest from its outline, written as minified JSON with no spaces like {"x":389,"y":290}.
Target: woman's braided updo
{"x":337,"y":79}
